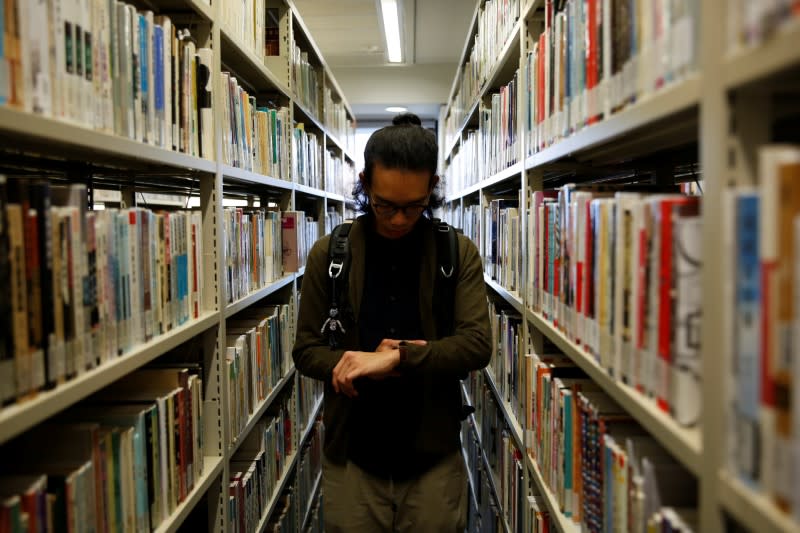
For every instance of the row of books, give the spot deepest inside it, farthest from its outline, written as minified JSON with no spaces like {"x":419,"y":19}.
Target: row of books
{"x":752,"y":23}
{"x":484,"y":513}
{"x":309,"y":469}
{"x":125,"y":459}
{"x":504,"y":459}
{"x":593,"y":58}
{"x":253,"y":250}
{"x":349,"y":178}
{"x":505,"y":364}
{"x":602,"y":468}
{"x":105,"y":66}
{"x":306,"y":82}
{"x":467,"y":218}
{"x":306,"y":157}
{"x":254,"y":24}
{"x":254,"y":138}
{"x":259,"y":464}
{"x":309,"y":394}
{"x":618,"y":271}
{"x":285,"y":518}
{"x":496,"y":22}
{"x":332,"y":219}
{"x":761,"y":247}
{"x":87,"y":286}
{"x":258,"y":356}
{"x":494,"y":146}
{"x":334,"y":173}
{"x":501,"y":246}
{"x":518,"y":503}
{"x":463,"y":169}
{"x":497,"y":131}
{"x":336,"y":120}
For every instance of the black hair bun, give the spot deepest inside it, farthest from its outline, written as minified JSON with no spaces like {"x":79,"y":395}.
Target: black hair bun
{"x":406,"y":118}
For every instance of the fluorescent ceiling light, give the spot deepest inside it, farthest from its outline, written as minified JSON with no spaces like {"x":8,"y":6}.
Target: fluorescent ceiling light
{"x":396,"y":109}
{"x":391,"y":30}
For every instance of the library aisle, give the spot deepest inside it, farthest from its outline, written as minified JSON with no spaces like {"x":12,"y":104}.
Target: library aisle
{"x":629,"y":170}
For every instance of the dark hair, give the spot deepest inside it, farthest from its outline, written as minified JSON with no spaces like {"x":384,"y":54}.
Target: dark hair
{"x":404,"y":145}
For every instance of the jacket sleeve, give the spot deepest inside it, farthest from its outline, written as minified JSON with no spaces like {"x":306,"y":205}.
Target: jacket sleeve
{"x":469,"y":348}
{"x":312,"y":354}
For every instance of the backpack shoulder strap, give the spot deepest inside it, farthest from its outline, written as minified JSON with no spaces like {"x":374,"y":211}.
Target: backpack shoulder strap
{"x":339,"y":251}
{"x":338,"y":272}
{"x":446,"y":276}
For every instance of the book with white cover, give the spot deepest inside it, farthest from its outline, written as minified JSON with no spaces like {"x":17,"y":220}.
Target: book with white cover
{"x":205,"y":98}
{"x":686,"y":382}
{"x":36,"y":57}
{"x":623,"y":283}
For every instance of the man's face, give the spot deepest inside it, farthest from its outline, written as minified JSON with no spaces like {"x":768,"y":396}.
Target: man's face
{"x":398,"y":198}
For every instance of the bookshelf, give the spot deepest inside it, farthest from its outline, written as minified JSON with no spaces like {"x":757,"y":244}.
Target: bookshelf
{"x":487,"y":469}
{"x":212,"y":468}
{"x":712,"y":116}
{"x":562,"y":523}
{"x":250,"y":299}
{"x":273,"y":502}
{"x":754,"y":65}
{"x":683,"y":443}
{"x":73,"y":152}
{"x":511,"y":420}
{"x":311,"y":502}
{"x":17,"y":418}
{"x":26,"y":130}
{"x":284,"y":382}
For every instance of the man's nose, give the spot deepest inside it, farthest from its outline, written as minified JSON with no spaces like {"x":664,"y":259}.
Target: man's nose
{"x":399,"y":217}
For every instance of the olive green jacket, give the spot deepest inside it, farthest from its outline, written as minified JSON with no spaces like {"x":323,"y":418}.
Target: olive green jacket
{"x":440,"y":362}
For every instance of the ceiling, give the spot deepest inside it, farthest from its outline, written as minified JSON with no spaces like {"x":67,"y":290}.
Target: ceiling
{"x":350,"y":37}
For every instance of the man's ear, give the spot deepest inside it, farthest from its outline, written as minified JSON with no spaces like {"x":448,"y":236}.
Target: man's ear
{"x":434,"y":182}
{"x":362,"y":178}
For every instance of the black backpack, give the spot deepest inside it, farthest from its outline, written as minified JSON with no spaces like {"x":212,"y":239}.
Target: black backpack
{"x":444,"y":288}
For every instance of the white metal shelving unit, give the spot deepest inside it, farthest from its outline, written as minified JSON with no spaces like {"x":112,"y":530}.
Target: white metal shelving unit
{"x":723,"y":91}
{"x":212,"y":468}
{"x":246,"y":301}
{"x":46,"y":139}
{"x":259,"y":411}
{"x":683,"y":443}
{"x":19,"y":417}
{"x":486,"y":466}
{"x":311,"y":501}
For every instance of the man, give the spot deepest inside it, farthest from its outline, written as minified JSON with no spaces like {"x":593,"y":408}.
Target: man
{"x":393,"y":409}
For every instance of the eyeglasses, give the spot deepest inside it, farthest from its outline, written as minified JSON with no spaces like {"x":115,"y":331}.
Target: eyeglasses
{"x":388,"y":209}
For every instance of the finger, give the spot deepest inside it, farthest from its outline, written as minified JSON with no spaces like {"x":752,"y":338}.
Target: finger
{"x":349,"y":390}
{"x":418,"y":342}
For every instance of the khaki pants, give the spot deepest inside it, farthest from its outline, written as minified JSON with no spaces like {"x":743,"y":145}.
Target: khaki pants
{"x":355,"y":501}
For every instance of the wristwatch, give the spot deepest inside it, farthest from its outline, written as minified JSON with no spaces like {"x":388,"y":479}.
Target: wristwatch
{"x":403,"y":348}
